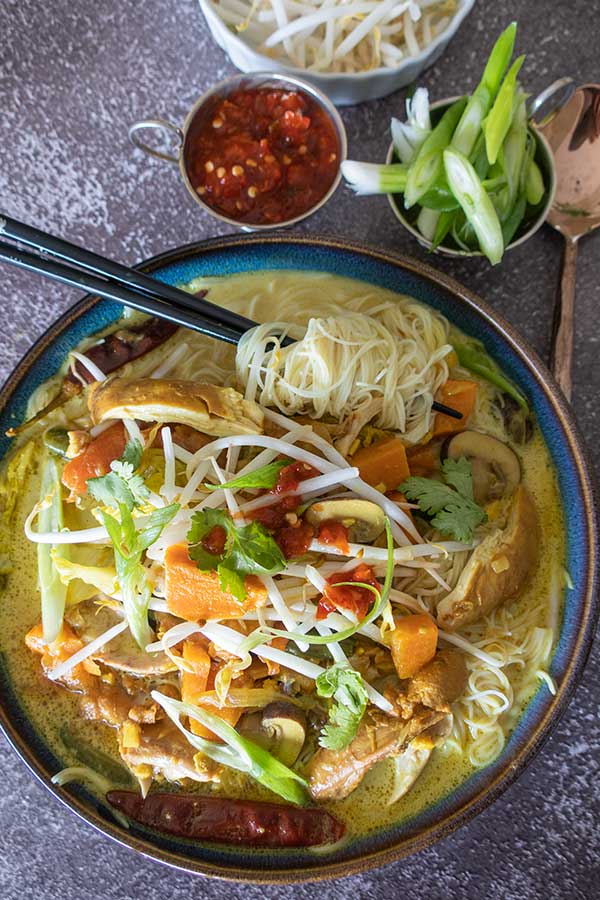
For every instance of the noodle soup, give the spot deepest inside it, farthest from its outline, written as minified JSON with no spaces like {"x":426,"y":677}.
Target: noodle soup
{"x":343,"y":416}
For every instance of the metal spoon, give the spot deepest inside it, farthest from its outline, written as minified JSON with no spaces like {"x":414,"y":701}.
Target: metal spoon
{"x":574,"y":137}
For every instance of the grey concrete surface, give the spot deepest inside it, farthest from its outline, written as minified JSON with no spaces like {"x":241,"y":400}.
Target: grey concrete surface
{"x":73,"y":77}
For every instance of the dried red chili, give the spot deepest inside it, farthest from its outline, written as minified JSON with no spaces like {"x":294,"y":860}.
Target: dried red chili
{"x":263,"y":156}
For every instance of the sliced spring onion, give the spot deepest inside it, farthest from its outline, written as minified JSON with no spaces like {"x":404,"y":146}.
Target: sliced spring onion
{"x":476,"y":204}
{"x":427,"y":167}
{"x":500,"y":116}
{"x":373,"y":178}
{"x":237,"y":752}
{"x":534,"y":184}
{"x":50,"y":518}
{"x":473,"y":357}
{"x":483,"y":96}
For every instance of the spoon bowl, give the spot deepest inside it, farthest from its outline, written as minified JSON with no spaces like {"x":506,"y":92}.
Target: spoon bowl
{"x":573,"y":134}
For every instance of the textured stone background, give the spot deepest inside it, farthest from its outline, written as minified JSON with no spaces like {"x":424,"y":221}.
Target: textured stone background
{"x":73,"y":77}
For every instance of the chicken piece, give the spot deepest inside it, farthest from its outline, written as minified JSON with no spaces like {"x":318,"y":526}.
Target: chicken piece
{"x":218,"y":411}
{"x":440,"y":682}
{"x":411,"y":762}
{"x":89,"y":620}
{"x":163,"y":752}
{"x":333,"y":774}
{"x":353,"y":425}
{"x":497,"y":569}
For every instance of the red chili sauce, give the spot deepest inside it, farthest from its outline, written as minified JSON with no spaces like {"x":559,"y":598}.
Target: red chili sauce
{"x":351,"y":597}
{"x":291,"y":532}
{"x":262,"y":156}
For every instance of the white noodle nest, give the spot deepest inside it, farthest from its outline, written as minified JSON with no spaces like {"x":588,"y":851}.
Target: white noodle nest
{"x":397,"y":353}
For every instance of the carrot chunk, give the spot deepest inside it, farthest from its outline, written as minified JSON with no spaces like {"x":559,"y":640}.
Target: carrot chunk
{"x":95,"y":459}
{"x":193,"y":595}
{"x":383,"y":463}
{"x":422,"y":459}
{"x":461,"y":396}
{"x":413,"y":643}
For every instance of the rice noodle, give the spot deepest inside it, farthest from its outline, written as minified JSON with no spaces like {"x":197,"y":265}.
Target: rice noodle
{"x":396,"y":353}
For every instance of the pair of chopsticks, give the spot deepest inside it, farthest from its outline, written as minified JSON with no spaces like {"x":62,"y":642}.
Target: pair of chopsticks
{"x":73,"y":265}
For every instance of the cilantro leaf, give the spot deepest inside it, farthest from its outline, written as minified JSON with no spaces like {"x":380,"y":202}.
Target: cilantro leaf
{"x":129,"y":545}
{"x":451,"y":505}
{"x":249,"y":549}
{"x":121,"y":486}
{"x":132,"y":454}
{"x":458,"y":474}
{"x":232,"y":581}
{"x":349,"y":694}
{"x":253,"y":549}
{"x":265,"y":477}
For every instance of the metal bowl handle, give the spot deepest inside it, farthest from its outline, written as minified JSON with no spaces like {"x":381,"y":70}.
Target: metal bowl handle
{"x":550,"y":100}
{"x":162,"y":125}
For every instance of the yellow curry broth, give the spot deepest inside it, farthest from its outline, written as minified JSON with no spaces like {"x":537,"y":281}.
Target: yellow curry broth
{"x":270,"y":296}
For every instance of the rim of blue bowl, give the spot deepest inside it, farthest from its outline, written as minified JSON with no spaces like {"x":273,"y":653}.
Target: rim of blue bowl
{"x":577,"y":626}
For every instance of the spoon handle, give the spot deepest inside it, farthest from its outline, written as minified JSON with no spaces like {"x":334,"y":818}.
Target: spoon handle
{"x":561,"y":351}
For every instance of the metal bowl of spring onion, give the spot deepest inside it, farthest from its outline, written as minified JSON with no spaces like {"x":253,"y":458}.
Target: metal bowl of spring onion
{"x":467,"y":176}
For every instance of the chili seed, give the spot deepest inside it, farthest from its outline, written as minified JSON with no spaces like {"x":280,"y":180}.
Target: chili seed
{"x":332,"y":157}
{"x":252,"y":192}
{"x":251,"y":163}
{"x":209,"y":166}
{"x":217,"y":123}
{"x":287,"y":159}
{"x":238,"y":171}
{"x":221,"y":171}
{"x":269,"y":158}
{"x":201,"y":190}
{"x":302,"y":149}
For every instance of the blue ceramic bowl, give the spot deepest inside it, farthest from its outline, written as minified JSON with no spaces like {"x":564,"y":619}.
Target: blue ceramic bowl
{"x":231,"y":255}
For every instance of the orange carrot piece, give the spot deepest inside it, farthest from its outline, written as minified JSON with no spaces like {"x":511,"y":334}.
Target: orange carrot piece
{"x":94,"y":460}
{"x":460,"y":395}
{"x":421,"y":459}
{"x":413,"y":643}
{"x":193,"y":595}
{"x":383,"y":463}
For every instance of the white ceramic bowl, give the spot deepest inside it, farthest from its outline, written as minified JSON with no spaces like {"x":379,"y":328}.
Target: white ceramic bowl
{"x":345,"y":89}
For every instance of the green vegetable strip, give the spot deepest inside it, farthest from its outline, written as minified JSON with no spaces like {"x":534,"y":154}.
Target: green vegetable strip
{"x":534,"y":184}
{"x":512,"y":155}
{"x":476,"y":360}
{"x":476,"y":204}
{"x":373,"y":178}
{"x":53,"y":591}
{"x":238,"y":752}
{"x":427,"y":166}
{"x":500,"y":116}
{"x":484,"y":94}
{"x":265,"y":477}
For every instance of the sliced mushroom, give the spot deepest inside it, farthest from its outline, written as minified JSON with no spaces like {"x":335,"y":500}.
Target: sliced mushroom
{"x":496,"y":467}
{"x":89,"y":621}
{"x":219,"y":411}
{"x":364,"y":520}
{"x":279,"y":728}
{"x":497,"y":569}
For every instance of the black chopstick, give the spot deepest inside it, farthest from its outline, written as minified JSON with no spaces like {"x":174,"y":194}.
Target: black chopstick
{"x":128,"y":286}
{"x":129,"y":278}
{"x":446,"y":410}
{"x":113,"y":290}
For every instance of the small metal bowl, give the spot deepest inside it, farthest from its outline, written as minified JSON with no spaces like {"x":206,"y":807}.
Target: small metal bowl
{"x":223,"y":89}
{"x":544,"y":159}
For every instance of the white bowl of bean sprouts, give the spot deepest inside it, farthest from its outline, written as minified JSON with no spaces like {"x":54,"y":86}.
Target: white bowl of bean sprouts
{"x":353,"y":50}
